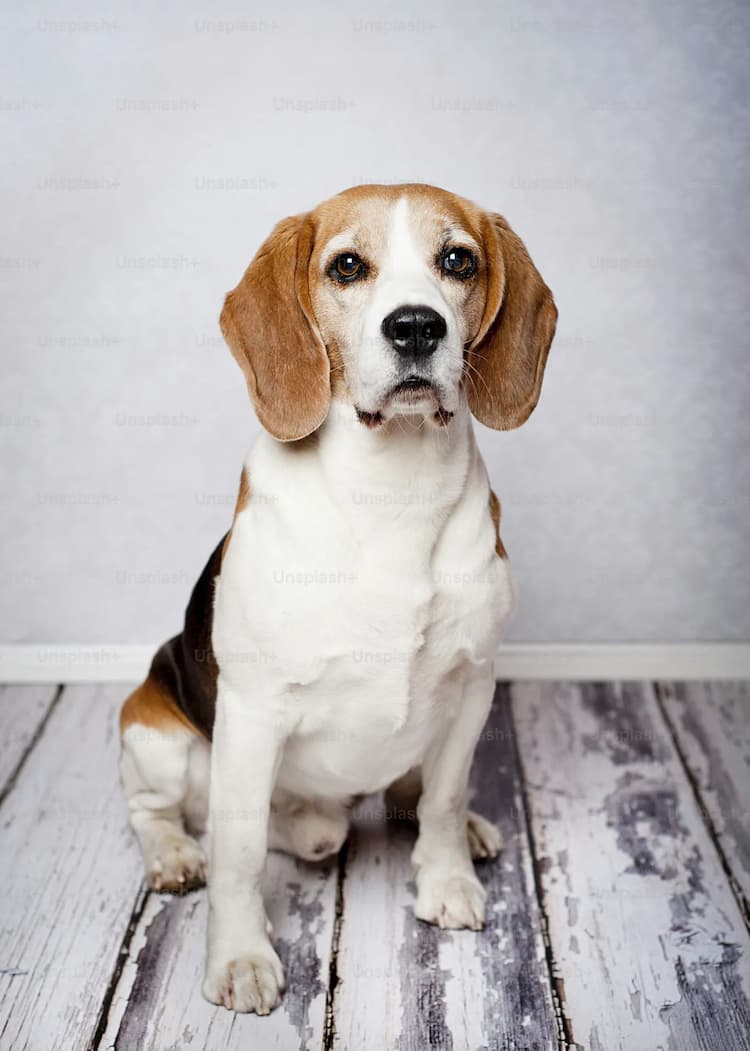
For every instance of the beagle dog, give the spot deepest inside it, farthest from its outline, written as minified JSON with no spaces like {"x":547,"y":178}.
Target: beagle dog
{"x":340,"y":640}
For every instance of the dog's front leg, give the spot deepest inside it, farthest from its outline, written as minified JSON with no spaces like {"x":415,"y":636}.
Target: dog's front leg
{"x":243,"y":971}
{"x":448,"y":891}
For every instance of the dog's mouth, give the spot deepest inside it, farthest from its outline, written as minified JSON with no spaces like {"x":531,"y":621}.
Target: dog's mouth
{"x":414,"y":392}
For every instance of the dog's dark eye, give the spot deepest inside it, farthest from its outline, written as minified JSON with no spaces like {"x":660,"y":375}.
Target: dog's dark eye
{"x":459,"y":262}
{"x":347,"y":267}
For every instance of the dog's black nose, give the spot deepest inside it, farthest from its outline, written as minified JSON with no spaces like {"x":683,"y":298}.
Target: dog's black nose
{"x":414,"y":331}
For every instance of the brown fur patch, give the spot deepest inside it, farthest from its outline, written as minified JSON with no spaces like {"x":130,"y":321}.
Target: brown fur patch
{"x":505,"y":363}
{"x":269,"y":326}
{"x":495,"y":515}
{"x":151,"y":705}
{"x":339,"y":384}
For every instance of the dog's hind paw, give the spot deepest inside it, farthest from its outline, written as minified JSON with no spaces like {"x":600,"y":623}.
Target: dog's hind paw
{"x":485,"y":840}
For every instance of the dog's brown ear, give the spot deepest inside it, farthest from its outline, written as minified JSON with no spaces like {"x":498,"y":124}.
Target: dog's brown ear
{"x":507,"y":357}
{"x":270,"y":327}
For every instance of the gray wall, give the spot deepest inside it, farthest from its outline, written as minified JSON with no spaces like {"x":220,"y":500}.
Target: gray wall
{"x":146,"y":155}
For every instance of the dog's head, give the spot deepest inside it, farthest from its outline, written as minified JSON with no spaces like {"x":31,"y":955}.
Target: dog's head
{"x":393,"y":297}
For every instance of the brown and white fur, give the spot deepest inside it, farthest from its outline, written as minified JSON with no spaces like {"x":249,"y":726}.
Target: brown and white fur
{"x":341,"y":637}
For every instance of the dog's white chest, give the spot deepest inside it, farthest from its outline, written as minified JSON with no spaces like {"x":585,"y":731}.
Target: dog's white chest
{"x":382,"y":669}
{"x":362,"y":612}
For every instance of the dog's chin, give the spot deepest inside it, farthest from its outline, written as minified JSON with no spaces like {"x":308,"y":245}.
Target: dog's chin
{"x":412,"y":397}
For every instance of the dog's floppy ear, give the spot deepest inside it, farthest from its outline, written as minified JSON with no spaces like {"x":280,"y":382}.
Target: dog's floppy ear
{"x":507,"y":357}
{"x":270,"y":327}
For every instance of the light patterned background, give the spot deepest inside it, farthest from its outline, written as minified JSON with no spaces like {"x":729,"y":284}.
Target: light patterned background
{"x":148,"y":149}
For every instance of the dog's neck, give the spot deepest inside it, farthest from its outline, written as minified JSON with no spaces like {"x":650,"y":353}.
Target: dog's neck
{"x":407,"y":460}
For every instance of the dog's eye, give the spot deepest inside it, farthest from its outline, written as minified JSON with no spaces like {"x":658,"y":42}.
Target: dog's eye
{"x":347,"y":267}
{"x":459,"y":262}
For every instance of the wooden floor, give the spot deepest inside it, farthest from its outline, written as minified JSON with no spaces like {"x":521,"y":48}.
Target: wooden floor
{"x":617,"y":912}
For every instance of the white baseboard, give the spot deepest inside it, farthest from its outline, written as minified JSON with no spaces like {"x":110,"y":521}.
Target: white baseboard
{"x":77,"y":662}
{"x":603,"y":661}
{"x":60,"y":663}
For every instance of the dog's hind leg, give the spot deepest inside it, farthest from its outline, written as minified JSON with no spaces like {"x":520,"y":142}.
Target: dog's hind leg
{"x":402,"y":797}
{"x":163,"y":766}
{"x":311,"y":829}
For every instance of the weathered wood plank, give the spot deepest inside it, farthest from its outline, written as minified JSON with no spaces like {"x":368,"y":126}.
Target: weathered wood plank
{"x":69,"y":877}
{"x":22,"y":712}
{"x":158,"y":1002}
{"x":406,"y":985}
{"x":645,"y":931}
{"x":711,"y":722}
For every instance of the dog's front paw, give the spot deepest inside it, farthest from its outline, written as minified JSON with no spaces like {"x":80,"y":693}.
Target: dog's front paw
{"x":451,"y":901}
{"x":251,"y":981}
